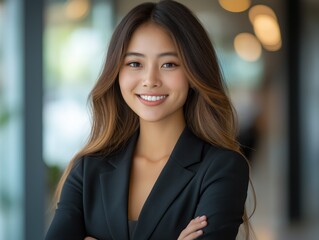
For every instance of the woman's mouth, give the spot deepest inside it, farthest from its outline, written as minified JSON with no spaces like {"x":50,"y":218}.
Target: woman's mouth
{"x":152,"y":100}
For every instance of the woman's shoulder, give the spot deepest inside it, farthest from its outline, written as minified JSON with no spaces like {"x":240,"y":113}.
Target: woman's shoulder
{"x":226,"y":167}
{"x":222,"y":158}
{"x":93,"y":161}
{"x":217,"y":151}
{"x":213,"y":155}
{"x":98,"y":158}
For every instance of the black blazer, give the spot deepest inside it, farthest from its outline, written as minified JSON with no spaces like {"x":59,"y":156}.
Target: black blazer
{"x":198,"y":179}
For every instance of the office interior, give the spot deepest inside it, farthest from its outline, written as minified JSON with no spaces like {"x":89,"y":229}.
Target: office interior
{"x":51,"y":54}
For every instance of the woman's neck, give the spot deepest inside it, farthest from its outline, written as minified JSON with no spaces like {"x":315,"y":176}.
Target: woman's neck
{"x":157,"y":140}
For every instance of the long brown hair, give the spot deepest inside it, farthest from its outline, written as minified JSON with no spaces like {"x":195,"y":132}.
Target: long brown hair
{"x":208,"y":110}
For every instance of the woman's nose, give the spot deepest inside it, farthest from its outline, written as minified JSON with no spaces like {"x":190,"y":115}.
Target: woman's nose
{"x":151,"y":78}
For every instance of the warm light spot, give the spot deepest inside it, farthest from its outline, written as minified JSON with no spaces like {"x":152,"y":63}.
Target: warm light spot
{"x":77,"y":9}
{"x":274,"y":47}
{"x":235,"y":5}
{"x":247,"y":47}
{"x":260,"y":10}
{"x":267,"y":30}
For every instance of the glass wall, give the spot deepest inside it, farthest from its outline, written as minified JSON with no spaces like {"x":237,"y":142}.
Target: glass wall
{"x":75,"y":41}
{"x":310,"y":111}
{"x":11,"y":135}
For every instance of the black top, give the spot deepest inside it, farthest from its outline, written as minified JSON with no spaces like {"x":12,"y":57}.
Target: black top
{"x":131,"y":227}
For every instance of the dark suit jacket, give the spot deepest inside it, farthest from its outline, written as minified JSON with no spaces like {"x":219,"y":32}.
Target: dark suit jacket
{"x":198,"y":179}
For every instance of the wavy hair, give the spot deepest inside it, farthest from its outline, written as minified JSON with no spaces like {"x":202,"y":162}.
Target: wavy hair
{"x":208,"y":110}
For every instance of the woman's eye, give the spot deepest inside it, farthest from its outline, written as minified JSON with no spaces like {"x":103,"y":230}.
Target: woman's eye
{"x":169,"y":65}
{"x":134,"y":64}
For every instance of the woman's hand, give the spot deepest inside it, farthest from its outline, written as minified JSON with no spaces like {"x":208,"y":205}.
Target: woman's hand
{"x":193,"y":229}
{"x":90,"y":238}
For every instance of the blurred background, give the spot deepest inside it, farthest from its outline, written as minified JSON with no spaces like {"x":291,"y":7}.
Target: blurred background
{"x":51,"y":54}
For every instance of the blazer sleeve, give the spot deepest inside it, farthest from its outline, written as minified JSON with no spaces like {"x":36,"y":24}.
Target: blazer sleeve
{"x":68,"y":221}
{"x":223,"y":196}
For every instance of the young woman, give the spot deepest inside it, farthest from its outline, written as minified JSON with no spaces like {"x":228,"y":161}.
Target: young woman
{"x":162,"y":161}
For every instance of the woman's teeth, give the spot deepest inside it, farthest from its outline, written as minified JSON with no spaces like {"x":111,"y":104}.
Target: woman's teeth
{"x":152,"y":98}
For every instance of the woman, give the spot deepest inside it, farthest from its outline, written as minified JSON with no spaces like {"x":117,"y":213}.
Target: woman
{"x":162,"y":161}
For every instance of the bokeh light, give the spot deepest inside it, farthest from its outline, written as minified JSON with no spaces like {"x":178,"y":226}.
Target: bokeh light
{"x":235,"y":6}
{"x":247,"y":47}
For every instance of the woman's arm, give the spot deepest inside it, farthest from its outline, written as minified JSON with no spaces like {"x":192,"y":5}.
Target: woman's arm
{"x":223,"y":196}
{"x":68,"y":220}
{"x":192,"y":231}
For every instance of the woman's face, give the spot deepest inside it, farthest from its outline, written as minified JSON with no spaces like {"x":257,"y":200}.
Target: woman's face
{"x":152,"y":80}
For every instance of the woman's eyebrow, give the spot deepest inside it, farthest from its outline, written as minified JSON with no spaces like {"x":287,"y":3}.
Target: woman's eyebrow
{"x":164,"y":54}
{"x":128,"y":54}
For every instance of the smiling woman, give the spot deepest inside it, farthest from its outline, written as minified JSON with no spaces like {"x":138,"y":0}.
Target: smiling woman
{"x":162,"y":161}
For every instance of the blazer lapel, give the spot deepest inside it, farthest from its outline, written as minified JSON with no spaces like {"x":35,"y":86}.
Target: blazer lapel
{"x":115,"y":188}
{"x":173,"y":178}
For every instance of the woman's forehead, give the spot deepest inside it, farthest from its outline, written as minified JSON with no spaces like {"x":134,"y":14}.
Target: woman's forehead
{"x":151,"y":37}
